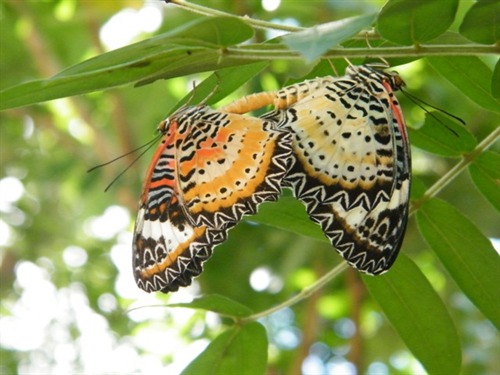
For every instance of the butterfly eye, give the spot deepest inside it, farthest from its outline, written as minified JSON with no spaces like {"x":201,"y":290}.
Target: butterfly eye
{"x":397,"y":81}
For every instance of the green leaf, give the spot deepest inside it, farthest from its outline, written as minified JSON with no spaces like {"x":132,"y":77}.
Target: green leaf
{"x":315,"y":41}
{"x":193,"y":48}
{"x":225,"y":81}
{"x":218,"y":304}
{"x":485,"y":172}
{"x":481,"y":22}
{"x":418,"y":188}
{"x":205,"y":32}
{"x":288,"y":214}
{"x":418,"y":315}
{"x":471,"y":76}
{"x":495,"y":81}
{"x":239,"y":350}
{"x":442,"y":136}
{"x":466,"y":253}
{"x":409,"y":22}
{"x":450,"y":37}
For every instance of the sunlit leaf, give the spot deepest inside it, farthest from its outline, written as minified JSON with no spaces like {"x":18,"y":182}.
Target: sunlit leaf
{"x":221,"y":84}
{"x":190,"y":49}
{"x":419,"y":316}
{"x":466,"y":253}
{"x":204,"y":32}
{"x":485,"y":172}
{"x":315,"y":41}
{"x":240,"y":350}
{"x":471,"y":76}
{"x":412,"y":22}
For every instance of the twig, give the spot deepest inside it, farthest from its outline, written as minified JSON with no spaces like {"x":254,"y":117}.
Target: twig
{"x":303,"y":294}
{"x":457,"y":169}
{"x":399,"y":51}
{"x":263,"y":52}
{"x":199,"y":9}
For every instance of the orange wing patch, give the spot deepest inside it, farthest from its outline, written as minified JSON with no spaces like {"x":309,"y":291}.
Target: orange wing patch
{"x":210,"y":170}
{"x":351,"y":159}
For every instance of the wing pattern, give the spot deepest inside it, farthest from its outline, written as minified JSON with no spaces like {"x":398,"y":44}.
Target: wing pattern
{"x":210,"y":169}
{"x":340,"y":143}
{"x":351,"y":161}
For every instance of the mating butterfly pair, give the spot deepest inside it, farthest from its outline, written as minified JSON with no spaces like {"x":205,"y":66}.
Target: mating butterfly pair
{"x":339,"y":143}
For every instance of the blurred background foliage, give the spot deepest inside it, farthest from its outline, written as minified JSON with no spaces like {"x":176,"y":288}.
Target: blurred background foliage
{"x":66,"y":280}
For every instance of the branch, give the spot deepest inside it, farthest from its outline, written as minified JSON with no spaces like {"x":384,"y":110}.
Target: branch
{"x":457,"y":169}
{"x":257,"y":53}
{"x":303,"y":294}
{"x":258,"y":24}
{"x":268,"y":52}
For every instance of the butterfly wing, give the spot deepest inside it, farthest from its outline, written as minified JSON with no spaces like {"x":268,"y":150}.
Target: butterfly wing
{"x":236,"y":162}
{"x":210,"y":169}
{"x":351,"y":165}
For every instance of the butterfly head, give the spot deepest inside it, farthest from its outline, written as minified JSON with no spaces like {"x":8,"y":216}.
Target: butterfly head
{"x":163,"y":126}
{"x":185,"y":114}
{"x":376,"y":72}
{"x":395,"y":80}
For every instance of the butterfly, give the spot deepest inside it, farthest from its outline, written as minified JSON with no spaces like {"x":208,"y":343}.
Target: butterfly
{"x":351,"y":164}
{"x":210,"y":169}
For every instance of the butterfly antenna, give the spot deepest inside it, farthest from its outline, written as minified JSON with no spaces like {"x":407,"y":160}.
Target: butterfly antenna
{"x":149,"y":144}
{"x":191,"y":97}
{"x":214,"y":90}
{"x":122,"y":156}
{"x":415,"y":100}
{"x":419,"y":102}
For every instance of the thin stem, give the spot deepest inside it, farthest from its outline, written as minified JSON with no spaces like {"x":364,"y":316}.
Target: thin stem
{"x":303,"y":294}
{"x":399,"y":51}
{"x":265,"y":53}
{"x":200,"y":9}
{"x":457,"y":169}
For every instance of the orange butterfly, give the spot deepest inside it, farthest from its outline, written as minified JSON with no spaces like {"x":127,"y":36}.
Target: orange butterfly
{"x":351,"y":159}
{"x":210,"y":169}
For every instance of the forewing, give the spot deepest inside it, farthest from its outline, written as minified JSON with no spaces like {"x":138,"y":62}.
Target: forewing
{"x":235,"y":163}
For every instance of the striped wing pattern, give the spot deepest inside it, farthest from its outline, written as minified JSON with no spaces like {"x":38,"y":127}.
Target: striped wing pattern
{"x":340,"y":144}
{"x":351,"y":161}
{"x":210,"y":169}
